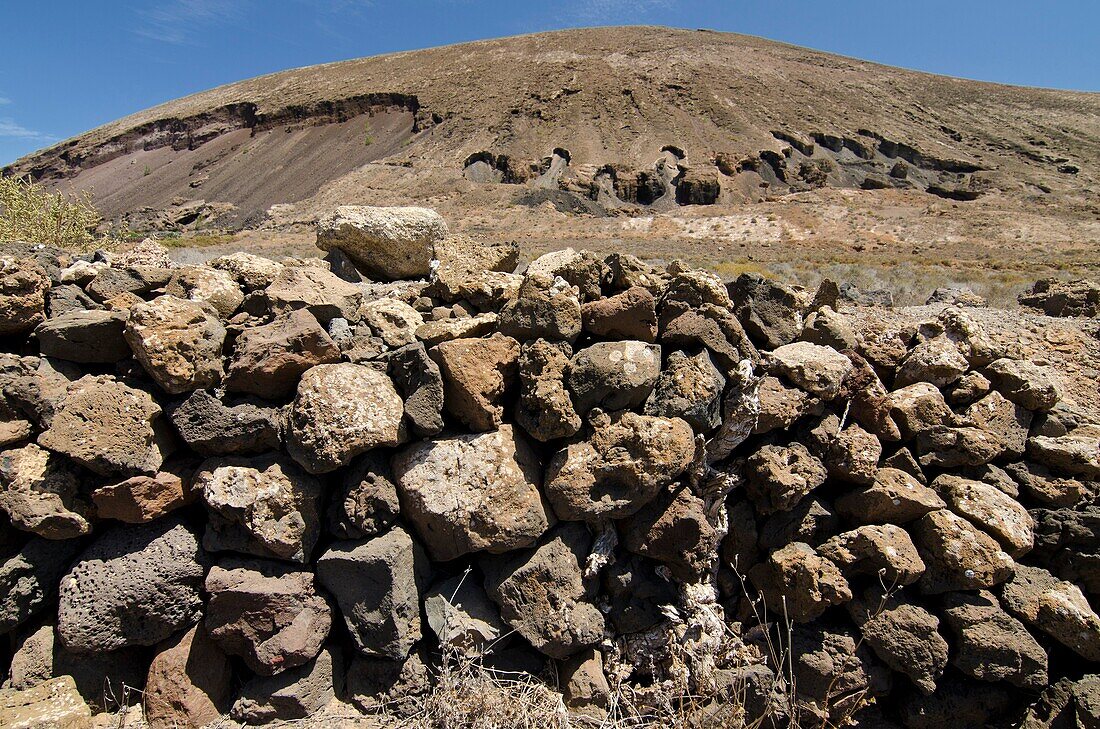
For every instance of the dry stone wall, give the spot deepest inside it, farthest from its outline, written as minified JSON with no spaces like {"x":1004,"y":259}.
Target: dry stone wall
{"x":256,"y":487}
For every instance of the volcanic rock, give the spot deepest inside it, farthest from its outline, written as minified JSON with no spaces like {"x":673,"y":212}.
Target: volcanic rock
{"x":189,"y":683}
{"x":340,"y":411}
{"x":545,"y":409}
{"x":990,"y":644}
{"x":418,"y":378}
{"x":267,"y":613}
{"x":211,"y":427}
{"x":542,"y":595}
{"x":377,"y":584}
{"x":387,"y":243}
{"x":780,"y":476}
{"x":268,"y":360}
{"x":472,"y":492}
{"x":476,"y":373}
{"x":544,"y":308}
{"x":264,"y":506}
{"x":41,"y":493}
{"x":957,"y":555}
{"x":296,"y":693}
{"x":799,"y":584}
{"x":88,"y":337}
{"x":627,"y":315}
{"x":178,"y":342}
{"x":135,"y":585}
{"x":816,"y":369}
{"x":627,"y":460}
{"x":129,"y":437}
{"x":23,"y":287}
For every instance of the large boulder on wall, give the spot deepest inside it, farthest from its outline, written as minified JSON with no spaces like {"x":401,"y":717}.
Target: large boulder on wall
{"x":387,"y":243}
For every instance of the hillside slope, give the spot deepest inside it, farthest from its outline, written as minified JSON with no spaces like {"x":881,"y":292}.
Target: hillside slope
{"x":594,"y":121}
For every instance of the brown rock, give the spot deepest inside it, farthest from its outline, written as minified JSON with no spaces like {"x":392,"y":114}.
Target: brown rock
{"x":613,"y":375}
{"x":710,"y":326}
{"x":130,"y":436}
{"x":584,"y":686}
{"x":542,"y":595}
{"x":476,"y":373}
{"x":936,"y":360}
{"x":1056,"y":607}
{"x":41,"y":494}
{"x":317,"y":290}
{"x":988,"y":507}
{"x":833,"y":673}
{"x":895,"y":497}
{"x":968,"y":389}
{"x":99,"y":676}
{"x":421,"y":385}
{"x":918,"y":408}
{"x":689,"y":387}
{"x":250,"y":271}
{"x":472,"y":492}
{"x":366,"y":504}
{"x":55,"y":703}
{"x":816,"y":369}
{"x":1004,"y":421}
{"x":544,"y":308}
{"x":266,"y":613}
{"x":628,"y":315}
{"x":88,"y":337}
{"x":23,"y":288}
{"x":958,"y":556}
{"x":905,"y":636}
{"x":782,"y":406}
{"x":294,"y":694}
{"x":142,"y":499}
{"x":264,"y":506}
{"x":626,"y":462}
{"x":394,"y":321}
{"x":1077,"y":453}
{"x":884,"y":552}
{"x":545,"y":409}
{"x":398,"y":687}
{"x":990,"y":644}
{"x":780,"y":476}
{"x":340,"y":411}
{"x":268,"y":360}
{"x":811,"y":521}
{"x":442,"y":330}
{"x":673,"y":529}
{"x":178,"y":342}
{"x":189,"y":683}
{"x":946,"y":447}
{"x":853,"y":456}
{"x":377,"y":584}
{"x":207,"y":285}
{"x":388,"y":242}
{"x":799,"y":584}
{"x":1025,"y":383}
{"x":1043,"y":486}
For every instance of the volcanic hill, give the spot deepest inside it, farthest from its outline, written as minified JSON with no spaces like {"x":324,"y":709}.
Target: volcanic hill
{"x":591,"y":133}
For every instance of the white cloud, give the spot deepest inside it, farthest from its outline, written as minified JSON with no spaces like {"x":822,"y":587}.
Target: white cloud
{"x":10,"y":129}
{"x":4,"y":100}
{"x":174,"y":21}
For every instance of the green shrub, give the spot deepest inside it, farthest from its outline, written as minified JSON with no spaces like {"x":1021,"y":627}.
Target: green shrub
{"x":30,"y":213}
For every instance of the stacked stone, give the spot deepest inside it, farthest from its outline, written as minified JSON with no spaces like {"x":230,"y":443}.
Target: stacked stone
{"x":256,"y":487}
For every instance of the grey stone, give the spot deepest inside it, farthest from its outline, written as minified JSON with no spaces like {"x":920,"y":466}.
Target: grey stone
{"x":135,"y":585}
{"x":377,"y":584}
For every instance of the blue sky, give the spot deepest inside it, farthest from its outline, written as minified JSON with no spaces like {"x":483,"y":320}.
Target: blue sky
{"x":70,"y":65}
